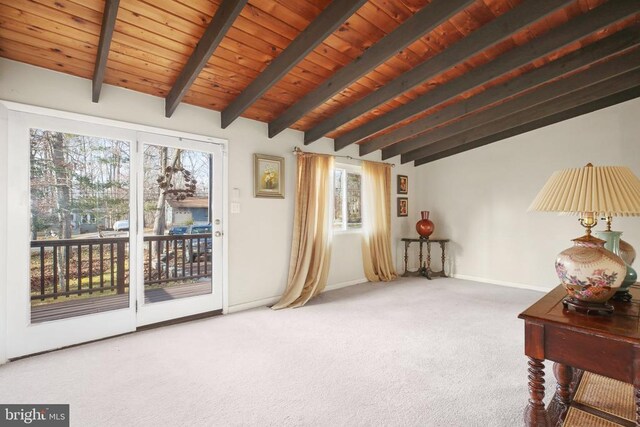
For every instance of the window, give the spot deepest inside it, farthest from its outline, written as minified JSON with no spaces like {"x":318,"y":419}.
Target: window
{"x":347,"y":201}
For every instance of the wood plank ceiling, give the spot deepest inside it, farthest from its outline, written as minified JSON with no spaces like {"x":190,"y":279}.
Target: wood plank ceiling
{"x":425,"y":79}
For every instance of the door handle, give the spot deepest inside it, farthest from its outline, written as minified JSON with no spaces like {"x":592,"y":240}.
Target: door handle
{"x":217,"y":233}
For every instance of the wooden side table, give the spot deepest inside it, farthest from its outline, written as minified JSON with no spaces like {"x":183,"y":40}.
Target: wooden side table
{"x":424,"y":270}
{"x":605,"y":345}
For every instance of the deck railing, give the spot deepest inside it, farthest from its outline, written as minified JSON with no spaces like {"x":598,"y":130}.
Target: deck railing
{"x":59,"y":269}
{"x":181,"y":257}
{"x":75,"y":267}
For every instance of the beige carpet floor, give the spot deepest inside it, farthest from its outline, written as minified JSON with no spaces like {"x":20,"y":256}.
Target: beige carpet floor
{"x":445,"y":352}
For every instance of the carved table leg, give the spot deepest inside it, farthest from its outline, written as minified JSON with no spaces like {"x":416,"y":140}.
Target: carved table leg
{"x":562,"y":399}
{"x":406,"y":259}
{"x":428,"y":266}
{"x":442,"y":247}
{"x":420,"y":259}
{"x":535,"y":414}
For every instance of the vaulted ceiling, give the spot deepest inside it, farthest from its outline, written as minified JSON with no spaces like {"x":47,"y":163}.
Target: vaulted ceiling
{"x":417,"y":78}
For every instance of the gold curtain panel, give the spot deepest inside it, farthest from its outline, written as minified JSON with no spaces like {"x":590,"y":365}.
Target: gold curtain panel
{"x":376,"y":239}
{"x":311,"y":242}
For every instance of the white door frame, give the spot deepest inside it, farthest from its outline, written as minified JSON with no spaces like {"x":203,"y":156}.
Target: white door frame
{"x":182,"y":307}
{"x":20,"y":333}
{"x":4,"y":277}
{"x":24,"y":337}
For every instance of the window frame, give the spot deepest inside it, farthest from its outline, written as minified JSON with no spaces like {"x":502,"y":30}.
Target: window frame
{"x":344,"y":228}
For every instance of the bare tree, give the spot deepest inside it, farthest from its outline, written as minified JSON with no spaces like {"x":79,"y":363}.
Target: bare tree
{"x":61,"y":179}
{"x":159,"y":220}
{"x":63,"y":195}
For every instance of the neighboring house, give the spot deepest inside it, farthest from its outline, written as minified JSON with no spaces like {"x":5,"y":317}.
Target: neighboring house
{"x":83,"y":222}
{"x":193,"y":210}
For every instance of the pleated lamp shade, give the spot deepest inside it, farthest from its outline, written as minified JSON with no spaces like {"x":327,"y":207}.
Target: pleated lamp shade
{"x":601,"y":190}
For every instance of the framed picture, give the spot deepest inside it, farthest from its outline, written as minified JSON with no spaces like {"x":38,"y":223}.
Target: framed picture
{"x":403,"y":184}
{"x":403,"y":206}
{"x":268,"y":176}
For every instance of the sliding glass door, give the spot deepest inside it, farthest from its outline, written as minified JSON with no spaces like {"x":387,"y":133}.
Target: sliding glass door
{"x":180,"y":192}
{"x":109,"y":229}
{"x":70,"y":270}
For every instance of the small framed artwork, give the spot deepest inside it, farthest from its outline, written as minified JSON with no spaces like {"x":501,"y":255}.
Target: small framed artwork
{"x":268,"y":176}
{"x":403,"y":206}
{"x":403,"y":184}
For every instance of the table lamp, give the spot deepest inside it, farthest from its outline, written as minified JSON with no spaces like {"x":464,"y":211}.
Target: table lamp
{"x":590,"y":273}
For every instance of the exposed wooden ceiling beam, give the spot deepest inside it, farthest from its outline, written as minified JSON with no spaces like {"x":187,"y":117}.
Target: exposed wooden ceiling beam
{"x":555,"y":118}
{"x":329,"y":20}
{"x":574,"y":30}
{"x":422,"y":145}
{"x":213,"y":35}
{"x":106,"y":33}
{"x":445,"y":137}
{"x":484,"y":37}
{"x":588,"y":55}
{"x":428,"y":18}
{"x":553,"y":107}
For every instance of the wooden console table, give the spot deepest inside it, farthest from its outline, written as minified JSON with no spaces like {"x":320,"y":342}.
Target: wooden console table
{"x":605,"y":345}
{"x":424,"y":270}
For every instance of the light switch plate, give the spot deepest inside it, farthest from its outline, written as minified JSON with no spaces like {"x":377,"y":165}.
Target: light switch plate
{"x":235,"y":207}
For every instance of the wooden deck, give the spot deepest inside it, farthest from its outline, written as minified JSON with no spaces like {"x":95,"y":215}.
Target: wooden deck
{"x":81,"y":307}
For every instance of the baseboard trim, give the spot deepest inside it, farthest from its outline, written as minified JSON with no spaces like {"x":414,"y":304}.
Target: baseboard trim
{"x":502,"y":283}
{"x":345,"y":284}
{"x":252,"y":304}
{"x":272,"y":300}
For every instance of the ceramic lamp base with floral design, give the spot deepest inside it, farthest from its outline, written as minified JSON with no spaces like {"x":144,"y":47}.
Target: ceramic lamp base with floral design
{"x":590,"y":274}
{"x":627,"y":252}
{"x":612,"y":239}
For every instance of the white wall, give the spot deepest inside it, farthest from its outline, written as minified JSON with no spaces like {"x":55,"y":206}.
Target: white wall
{"x":260,"y":235}
{"x":480,"y":198}
{"x":3,"y":233}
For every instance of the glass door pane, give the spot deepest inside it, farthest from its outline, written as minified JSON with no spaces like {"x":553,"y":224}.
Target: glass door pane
{"x":79,"y":227}
{"x":180,"y":183}
{"x":72,"y":198}
{"x":177,"y":223}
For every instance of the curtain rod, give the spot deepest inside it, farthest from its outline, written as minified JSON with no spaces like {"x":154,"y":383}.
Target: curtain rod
{"x":297,"y":151}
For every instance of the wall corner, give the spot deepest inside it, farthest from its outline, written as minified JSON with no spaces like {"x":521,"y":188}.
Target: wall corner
{"x":4,"y":141}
